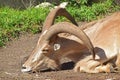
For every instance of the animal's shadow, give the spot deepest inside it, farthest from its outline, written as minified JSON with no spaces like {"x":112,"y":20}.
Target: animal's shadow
{"x":64,"y":66}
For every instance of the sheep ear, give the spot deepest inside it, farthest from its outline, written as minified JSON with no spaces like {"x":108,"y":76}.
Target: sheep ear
{"x":56,"y":47}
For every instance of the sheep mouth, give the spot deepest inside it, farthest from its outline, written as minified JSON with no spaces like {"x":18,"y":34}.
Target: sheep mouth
{"x":43,"y":70}
{"x":47,"y":70}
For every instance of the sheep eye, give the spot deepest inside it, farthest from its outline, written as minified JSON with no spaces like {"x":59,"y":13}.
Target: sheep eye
{"x":45,"y":50}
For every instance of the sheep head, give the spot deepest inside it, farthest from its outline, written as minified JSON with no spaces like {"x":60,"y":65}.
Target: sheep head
{"x":45,"y":54}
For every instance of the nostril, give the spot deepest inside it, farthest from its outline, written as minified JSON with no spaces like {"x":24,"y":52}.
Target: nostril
{"x":23,"y":67}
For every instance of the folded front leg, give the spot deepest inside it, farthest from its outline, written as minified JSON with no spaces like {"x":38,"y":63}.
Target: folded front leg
{"x":91,"y":66}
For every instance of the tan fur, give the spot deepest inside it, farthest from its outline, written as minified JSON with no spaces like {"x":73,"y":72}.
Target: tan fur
{"x":105,"y":36}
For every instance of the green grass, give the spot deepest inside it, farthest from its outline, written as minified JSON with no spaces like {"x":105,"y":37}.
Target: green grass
{"x":91,"y":12}
{"x":14,"y":22}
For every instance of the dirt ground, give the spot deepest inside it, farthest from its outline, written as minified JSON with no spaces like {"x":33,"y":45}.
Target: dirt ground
{"x":12,"y":54}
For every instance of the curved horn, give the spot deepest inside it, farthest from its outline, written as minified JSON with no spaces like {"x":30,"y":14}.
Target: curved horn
{"x":59,"y":11}
{"x":65,"y":27}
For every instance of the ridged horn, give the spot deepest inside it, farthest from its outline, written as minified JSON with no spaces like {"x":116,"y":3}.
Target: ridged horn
{"x":59,"y":11}
{"x":66,"y":27}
